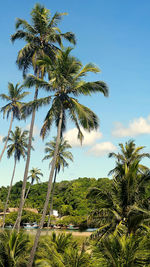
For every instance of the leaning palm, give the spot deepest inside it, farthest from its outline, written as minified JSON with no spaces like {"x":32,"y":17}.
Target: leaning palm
{"x":35,"y":174}
{"x":42,"y":36}
{"x":18,"y":148}
{"x":65,"y":81}
{"x":13,"y":108}
{"x":61,"y":162}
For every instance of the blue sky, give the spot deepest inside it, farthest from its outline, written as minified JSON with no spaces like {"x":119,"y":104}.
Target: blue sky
{"x":115,"y":35}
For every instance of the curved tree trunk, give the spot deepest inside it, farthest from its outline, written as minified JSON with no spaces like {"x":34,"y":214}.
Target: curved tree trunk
{"x":51,"y":203}
{"x":17,"y":223}
{"x":27,"y":192}
{"x":48,"y":193}
{"x":5,"y":145}
{"x":8,"y":195}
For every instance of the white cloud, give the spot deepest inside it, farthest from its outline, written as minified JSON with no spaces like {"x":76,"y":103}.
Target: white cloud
{"x":137,"y":126}
{"x":89,"y":138}
{"x":35,"y":129}
{"x":1,"y":138}
{"x":101,"y":149}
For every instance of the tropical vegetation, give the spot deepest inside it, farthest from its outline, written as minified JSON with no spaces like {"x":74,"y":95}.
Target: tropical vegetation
{"x":118,"y":207}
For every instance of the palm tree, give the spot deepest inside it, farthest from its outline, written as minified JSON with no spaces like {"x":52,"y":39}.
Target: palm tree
{"x":121,"y":251}
{"x":127,"y":203}
{"x":61,"y":162}
{"x":17,"y":147}
{"x":51,"y":250}
{"x":13,"y":108}
{"x":60,"y":250}
{"x":65,"y":81}
{"x":35,"y":174}
{"x":14,"y":249}
{"x":129,"y":153}
{"x":47,"y":254}
{"x":42,"y":37}
{"x":77,"y":257}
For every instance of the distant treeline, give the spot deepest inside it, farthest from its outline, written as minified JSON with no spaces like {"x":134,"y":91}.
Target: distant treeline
{"x":70,"y":197}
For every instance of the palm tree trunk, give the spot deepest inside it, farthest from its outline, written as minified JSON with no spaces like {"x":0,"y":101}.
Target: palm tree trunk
{"x":8,"y":195}
{"x":48,"y":192}
{"x":51,"y":204}
{"x":17,"y":223}
{"x":27,"y":192}
{"x":5,"y":145}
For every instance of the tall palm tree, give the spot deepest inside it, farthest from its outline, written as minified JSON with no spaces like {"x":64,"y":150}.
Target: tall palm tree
{"x":18,"y":148}
{"x":128,"y":154}
{"x":61,"y":162}
{"x":42,"y":37}
{"x":35,"y":174}
{"x":65,"y":81}
{"x":127,"y":203}
{"x":13,"y":108}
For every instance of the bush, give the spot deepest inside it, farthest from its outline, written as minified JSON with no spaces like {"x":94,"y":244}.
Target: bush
{"x":27,"y":216}
{"x":80,"y":221}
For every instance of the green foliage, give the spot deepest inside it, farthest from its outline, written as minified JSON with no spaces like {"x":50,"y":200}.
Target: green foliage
{"x":122,"y":251}
{"x":1,"y":206}
{"x":75,"y":220}
{"x":61,"y":251}
{"x":15,"y":94}
{"x":14,"y":249}
{"x":27,"y":216}
{"x":71,"y":193}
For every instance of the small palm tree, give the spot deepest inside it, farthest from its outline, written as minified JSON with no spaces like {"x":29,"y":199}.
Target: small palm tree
{"x":121,"y":251}
{"x":51,"y":249}
{"x":42,"y":36}
{"x":77,"y":257}
{"x":61,"y":162}
{"x":35,"y":174}
{"x":62,"y":241}
{"x":14,"y":249}
{"x":18,"y":148}
{"x":14,"y":97}
{"x":60,"y":250}
{"x":65,"y":81}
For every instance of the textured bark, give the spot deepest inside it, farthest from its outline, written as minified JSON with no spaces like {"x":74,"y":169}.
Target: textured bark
{"x":5,"y":145}
{"x":8,"y":195}
{"x":17,"y":223}
{"x":51,"y":203}
{"x":48,"y":193}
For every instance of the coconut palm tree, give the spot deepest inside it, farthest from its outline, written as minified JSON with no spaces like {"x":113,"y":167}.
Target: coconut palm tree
{"x":14,"y":249}
{"x":65,"y":81}
{"x":42,"y":36}
{"x":61,"y":162}
{"x":126,"y":204}
{"x":18,"y":148}
{"x":13,"y":108}
{"x":35,"y":174}
{"x":128,"y":154}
